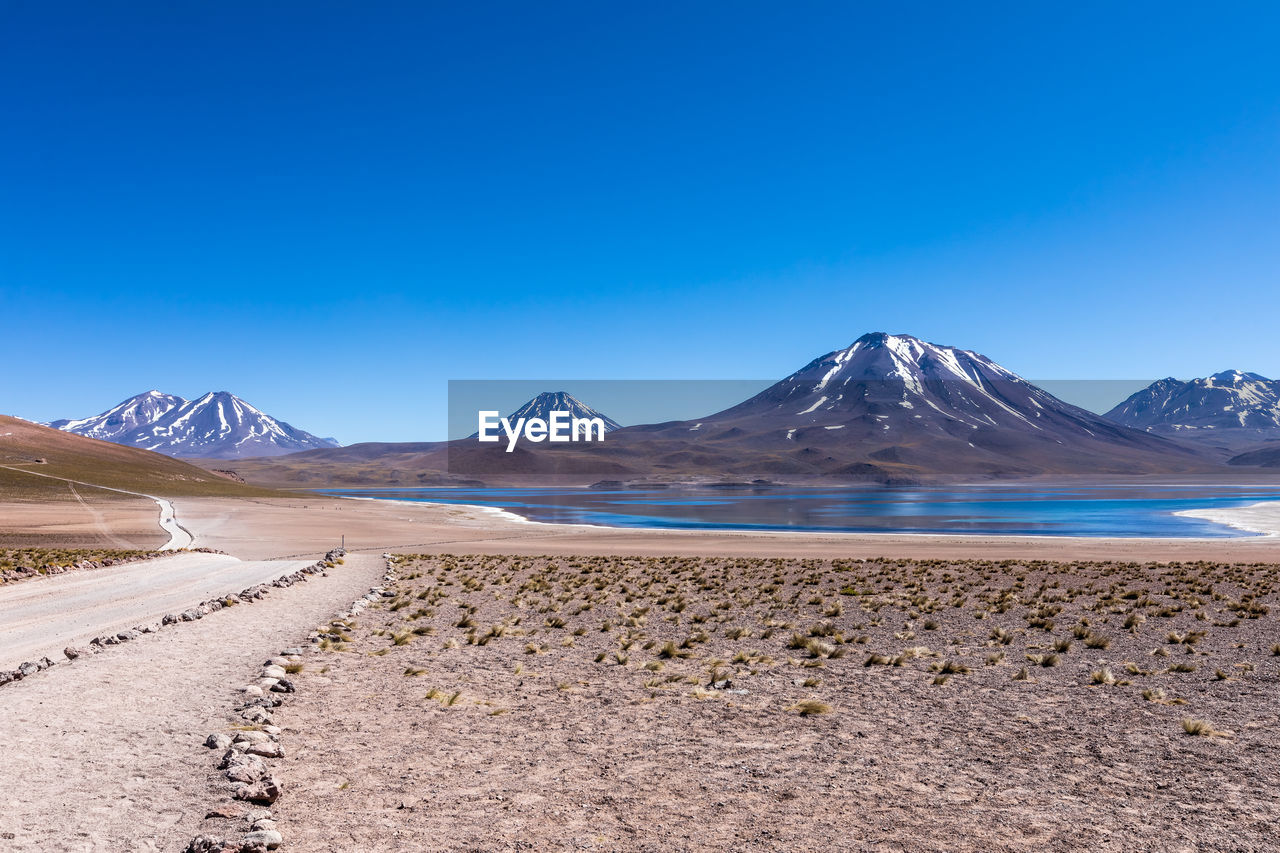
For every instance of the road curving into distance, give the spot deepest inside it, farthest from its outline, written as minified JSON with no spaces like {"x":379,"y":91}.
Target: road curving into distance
{"x":179,"y":536}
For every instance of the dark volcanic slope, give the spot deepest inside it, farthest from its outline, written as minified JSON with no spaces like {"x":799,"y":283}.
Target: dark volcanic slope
{"x":1267,"y":456}
{"x":1230,"y":408}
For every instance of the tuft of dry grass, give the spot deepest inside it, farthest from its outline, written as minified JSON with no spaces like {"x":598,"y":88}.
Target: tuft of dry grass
{"x":1199,"y":728}
{"x":810,"y":707}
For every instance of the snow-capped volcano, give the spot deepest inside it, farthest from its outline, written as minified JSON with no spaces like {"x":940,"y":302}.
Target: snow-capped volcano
{"x":1230,"y":401}
{"x":137,"y":411}
{"x":899,"y":379}
{"x":547,"y":402}
{"x":218,"y":425}
{"x":890,"y":406}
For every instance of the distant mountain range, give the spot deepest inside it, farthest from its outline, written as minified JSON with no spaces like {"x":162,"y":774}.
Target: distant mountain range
{"x":1231,"y":408}
{"x":893,"y":407}
{"x":218,"y":425}
{"x":547,"y":402}
{"x":887,"y":408}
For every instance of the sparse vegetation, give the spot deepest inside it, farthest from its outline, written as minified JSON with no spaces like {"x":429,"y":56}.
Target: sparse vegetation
{"x":734,"y":642}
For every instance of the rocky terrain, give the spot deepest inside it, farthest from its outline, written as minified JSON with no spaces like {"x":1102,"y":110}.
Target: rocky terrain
{"x":652,"y":703}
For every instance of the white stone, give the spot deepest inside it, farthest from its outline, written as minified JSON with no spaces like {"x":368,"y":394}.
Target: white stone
{"x":269,"y":837}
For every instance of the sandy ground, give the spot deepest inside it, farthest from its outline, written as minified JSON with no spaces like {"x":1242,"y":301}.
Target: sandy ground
{"x":45,"y":615}
{"x":82,"y":518}
{"x":178,"y":538}
{"x":569,"y":728}
{"x":104,"y":754}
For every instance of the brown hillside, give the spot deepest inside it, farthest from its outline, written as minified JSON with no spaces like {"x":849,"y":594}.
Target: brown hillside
{"x":100,"y":463}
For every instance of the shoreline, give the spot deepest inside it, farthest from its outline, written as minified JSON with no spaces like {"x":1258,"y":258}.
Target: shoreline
{"x":1261,"y":519}
{"x":1254,"y":520}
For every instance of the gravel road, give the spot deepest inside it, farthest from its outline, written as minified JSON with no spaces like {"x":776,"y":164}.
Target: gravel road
{"x":42,"y":617}
{"x":105,"y":754}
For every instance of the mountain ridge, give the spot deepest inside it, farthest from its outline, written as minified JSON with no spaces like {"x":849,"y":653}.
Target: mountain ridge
{"x":216,"y":425}
{"x":1231,"y":409}
{"x":886,"y":408}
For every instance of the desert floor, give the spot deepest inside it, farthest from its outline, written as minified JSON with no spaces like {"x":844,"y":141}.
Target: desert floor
{"x":597,"y":738}
{"x":778,"y":704}
{"x":81,"y":517}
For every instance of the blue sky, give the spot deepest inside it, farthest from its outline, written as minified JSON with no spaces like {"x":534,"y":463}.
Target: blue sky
{"x":331,"y":209}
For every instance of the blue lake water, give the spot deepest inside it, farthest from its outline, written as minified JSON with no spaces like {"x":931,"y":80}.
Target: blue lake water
{"x":1124,"y":511}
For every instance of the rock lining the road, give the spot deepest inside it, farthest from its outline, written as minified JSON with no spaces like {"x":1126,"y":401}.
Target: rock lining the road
{"x":244,"y":751}
{"x":204,"y":608}
{"x":19,"y":574}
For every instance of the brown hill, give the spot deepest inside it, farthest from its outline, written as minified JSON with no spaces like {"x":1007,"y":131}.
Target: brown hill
{"x":31,"y":454}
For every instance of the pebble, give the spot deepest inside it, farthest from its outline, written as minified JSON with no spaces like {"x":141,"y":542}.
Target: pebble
{"x":223,"y":812}
{"x":268,"y":837}
{"x":265,"y":791}
{"x":266,"y":750}
{"x":252,"y":737}
{"x":244,"y":768}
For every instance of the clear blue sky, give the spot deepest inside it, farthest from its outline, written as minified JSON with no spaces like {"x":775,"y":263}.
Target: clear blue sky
{"x":333,"y":208}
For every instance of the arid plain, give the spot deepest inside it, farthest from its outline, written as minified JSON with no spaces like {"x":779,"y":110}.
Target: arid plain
{"x":530,"y":686}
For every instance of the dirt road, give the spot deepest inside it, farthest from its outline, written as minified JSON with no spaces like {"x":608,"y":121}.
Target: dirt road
{"x":104,"y":754}
{"x":44,"y":616}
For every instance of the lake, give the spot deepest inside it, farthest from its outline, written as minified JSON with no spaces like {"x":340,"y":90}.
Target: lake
{"x":1121,"y":511}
